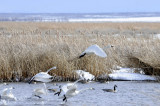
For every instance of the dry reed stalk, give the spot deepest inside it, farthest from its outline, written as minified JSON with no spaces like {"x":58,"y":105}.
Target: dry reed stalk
{"x":27,"y":48}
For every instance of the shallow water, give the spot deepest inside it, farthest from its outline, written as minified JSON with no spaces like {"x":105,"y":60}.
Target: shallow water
{"x":131,"y":93}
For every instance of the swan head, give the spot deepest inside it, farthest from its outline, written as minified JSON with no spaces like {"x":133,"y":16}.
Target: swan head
{"x":55,"y":67}
{"x":115,"y":86}
{"x":111,"y":45}
{"x":60,"y":86}
{"x":92,"y":88}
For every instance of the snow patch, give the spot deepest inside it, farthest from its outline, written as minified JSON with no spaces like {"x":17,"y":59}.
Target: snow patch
{"x":129,"y":74}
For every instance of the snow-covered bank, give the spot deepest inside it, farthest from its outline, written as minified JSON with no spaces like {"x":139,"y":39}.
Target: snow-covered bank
{"x":131,"y":77}
{"x":83,"y":17}
{"x":133,"y":19}
{"x":121,"y":74}
{"x":128,"y":74}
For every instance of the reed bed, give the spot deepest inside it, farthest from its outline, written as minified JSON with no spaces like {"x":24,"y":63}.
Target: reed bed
{"x":27,"y":48}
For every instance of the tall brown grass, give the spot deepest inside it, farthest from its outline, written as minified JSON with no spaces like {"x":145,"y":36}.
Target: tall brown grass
{"x":28,"y":48}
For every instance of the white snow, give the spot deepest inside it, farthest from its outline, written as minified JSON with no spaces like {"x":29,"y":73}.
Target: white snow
{"x":157,"y":36}
{"x":129,"y":70}
{"x":96,"y":50}
{"x":85,"y":75}
{"x":135,"y":19}
{"x":129,"y":74}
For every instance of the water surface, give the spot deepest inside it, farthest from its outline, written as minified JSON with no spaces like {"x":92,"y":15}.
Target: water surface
{"x":131,"y":93}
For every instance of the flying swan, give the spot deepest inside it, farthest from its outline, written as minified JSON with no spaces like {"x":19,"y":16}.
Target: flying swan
{"x":95,"y":49}
{"x":43,"y":76}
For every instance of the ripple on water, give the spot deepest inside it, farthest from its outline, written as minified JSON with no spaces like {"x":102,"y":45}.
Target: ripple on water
{"x":129,"y":93}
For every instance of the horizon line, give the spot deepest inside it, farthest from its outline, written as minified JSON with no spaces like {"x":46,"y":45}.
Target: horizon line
{"x":71,"y":12}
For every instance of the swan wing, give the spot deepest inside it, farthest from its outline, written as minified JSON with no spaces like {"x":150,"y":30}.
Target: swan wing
{"x":42,"y":75}
{"x":65,"y":88}
{"x":71,"y":91}
{"x":84,"y":75}
{"x":5,"y":91}
{"x":43,"y":79}
{"x":39,"y":91}
{"x":96,"y":50}
{"x":31,"y":79}
{"x":88,"y":76}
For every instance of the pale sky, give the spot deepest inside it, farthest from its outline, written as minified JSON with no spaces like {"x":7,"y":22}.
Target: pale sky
{"x":78,"y":6}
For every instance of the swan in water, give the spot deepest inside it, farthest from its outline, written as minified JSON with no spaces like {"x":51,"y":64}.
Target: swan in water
{"x":95,"y":49}
{"x":43,"y":76}
{"x":66,"y":87}
{"x":3,"y":103}
{"x":40,"y":91}
{"x":3,"y":84}
{"x":51,"y":89}
{"x":111,"y":90}
{"x":86,"y":76}
{"x":7,"y":94}
{"x":73,"y":92}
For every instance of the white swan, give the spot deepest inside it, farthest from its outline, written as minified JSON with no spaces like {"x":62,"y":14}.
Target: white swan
{"x":94,"y":49}
{"x":68,"y":86}
{"x":3,"y":84}
{"x":40,"y":91}
{"x":7,"y":94}
{"x":43,"y":76}
{"x":51,"y":89}
{"x":73,"y":92}
{"x":3,"y":103}
{"x":86,"y":76}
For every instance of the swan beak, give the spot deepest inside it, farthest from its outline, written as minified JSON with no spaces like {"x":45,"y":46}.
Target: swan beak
{"x":112,"y":46}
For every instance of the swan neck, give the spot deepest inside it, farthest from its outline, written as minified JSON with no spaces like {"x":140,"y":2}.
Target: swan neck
{"x":77,"y":81}
{"x":114,"y":88}
{"x":51,"y":69}
{"x":45,"y":87}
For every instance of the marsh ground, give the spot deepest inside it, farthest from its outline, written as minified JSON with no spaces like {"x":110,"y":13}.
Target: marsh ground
{"x":28,"y":47}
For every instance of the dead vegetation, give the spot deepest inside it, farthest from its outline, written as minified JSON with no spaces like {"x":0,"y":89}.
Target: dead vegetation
{"x":26,"y":48}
